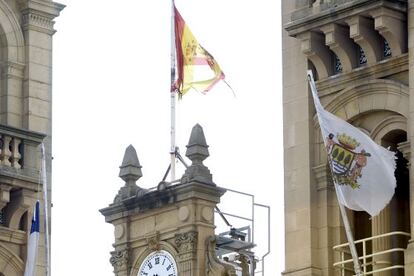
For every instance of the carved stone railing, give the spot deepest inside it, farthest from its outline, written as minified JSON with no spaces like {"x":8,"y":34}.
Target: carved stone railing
{"x":19,"y":152}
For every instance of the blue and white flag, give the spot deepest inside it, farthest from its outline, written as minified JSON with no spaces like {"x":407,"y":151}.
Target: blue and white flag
{"x":32,"y":244}
{"x":363,"y":171}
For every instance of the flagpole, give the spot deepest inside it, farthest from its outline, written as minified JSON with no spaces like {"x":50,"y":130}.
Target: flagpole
{"x":350,"y":237}
{"x":173,"y":92}
{"x":47,"y":245}
{"x":348,"y":231}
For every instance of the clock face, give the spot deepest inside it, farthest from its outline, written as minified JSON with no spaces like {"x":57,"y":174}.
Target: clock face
{"x":159,"y":263}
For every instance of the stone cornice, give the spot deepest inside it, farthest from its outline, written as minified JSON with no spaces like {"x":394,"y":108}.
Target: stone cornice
{"x":27,"y":135}
{"x":158,"y":199}
{"x":23,"y":178}
{"x":377,"y":71}
{"x":308,"y":19}
{"x":38,"y":15}
{"x":37,"y":21}
{"x":52,"y":9}
{"x":12,"y":236}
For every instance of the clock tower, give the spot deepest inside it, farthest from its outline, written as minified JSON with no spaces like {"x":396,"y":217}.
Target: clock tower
{"x":167,"y":230}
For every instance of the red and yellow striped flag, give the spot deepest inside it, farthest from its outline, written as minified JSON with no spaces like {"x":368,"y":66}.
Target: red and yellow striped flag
{"x":196,"y":67}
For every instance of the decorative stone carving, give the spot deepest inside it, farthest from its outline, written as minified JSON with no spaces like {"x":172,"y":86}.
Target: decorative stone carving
{"x":38,"y":21}
{"x":130,"y":172}
{"x":39,"y":17}
{"x":154,"y":241}
{"x":197,"y":151}
{"x":213,"y":265}
{"x":244,"y":264}
{"x":362,"y":31}
{"x":392,"y":25}
{"x":183,"y":213}
{"x":313,"y":46}
{"x":119,"y":260}
{"x":337,"y":38}
{"x":186,"y":241}
{"x":207,"y":214}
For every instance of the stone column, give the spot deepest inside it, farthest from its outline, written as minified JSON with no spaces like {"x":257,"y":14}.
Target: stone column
{"x":37,"y":25}
{"x":187,"y":248}
{"x":381,"y":225}
{"x":405,"y":148}
{"x":12,"y":99}
{"x":299,"y":192}
{"x":329,"y":221}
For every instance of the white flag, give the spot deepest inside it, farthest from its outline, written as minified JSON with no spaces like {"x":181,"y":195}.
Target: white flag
{"x":363,"y":171}
{"x":32,"y":244}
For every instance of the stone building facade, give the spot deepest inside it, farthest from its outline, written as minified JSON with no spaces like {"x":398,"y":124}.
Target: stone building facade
{"x":362,"y":54}
{"x":26,"y":30}
{"x":169,"y":229}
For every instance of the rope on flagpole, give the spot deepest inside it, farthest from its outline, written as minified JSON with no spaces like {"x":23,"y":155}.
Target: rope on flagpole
{"x":234,"y":94}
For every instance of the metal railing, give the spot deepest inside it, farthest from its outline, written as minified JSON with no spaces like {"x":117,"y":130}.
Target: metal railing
{"x":251,"y":230}
{"x":368,"y":259}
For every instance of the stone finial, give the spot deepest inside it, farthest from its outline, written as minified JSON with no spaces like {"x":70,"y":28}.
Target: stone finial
{"x":197,"y":151}
{"x":197,"y":148}
{"x":130,"y":172}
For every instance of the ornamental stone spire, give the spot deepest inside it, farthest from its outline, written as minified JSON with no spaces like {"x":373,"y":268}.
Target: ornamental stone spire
{"x":130,"y":172}
{"x":197,"y":152}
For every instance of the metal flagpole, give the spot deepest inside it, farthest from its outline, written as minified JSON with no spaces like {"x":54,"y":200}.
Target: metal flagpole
{"x":349,"y":236}
{"x":173,"y":92}
{"x":44,"y":175}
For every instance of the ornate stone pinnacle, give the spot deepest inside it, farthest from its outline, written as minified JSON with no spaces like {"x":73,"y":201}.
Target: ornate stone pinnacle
{"x":197,"y":148}
{"x":130,"y":170}
{"x":197,"y":151}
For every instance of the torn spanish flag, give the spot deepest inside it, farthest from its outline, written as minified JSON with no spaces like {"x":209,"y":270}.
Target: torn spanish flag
{"x":196,"y":67}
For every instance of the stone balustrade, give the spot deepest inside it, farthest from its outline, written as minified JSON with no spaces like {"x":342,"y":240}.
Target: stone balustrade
{"x":19,"y":150}
{"x":10,"y":151}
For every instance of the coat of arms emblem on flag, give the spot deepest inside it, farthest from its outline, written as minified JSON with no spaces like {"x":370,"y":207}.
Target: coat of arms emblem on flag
{"x":346,"y":163}
{"x":362,"y":171}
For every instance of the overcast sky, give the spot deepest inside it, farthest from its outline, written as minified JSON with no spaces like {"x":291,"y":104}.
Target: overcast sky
{"x":111,"y":79}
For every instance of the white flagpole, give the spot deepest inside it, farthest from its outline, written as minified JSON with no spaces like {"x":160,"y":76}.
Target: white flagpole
{"x":350,"y":237}
{"x":173,"y":52}
{"x":46,"y":206}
